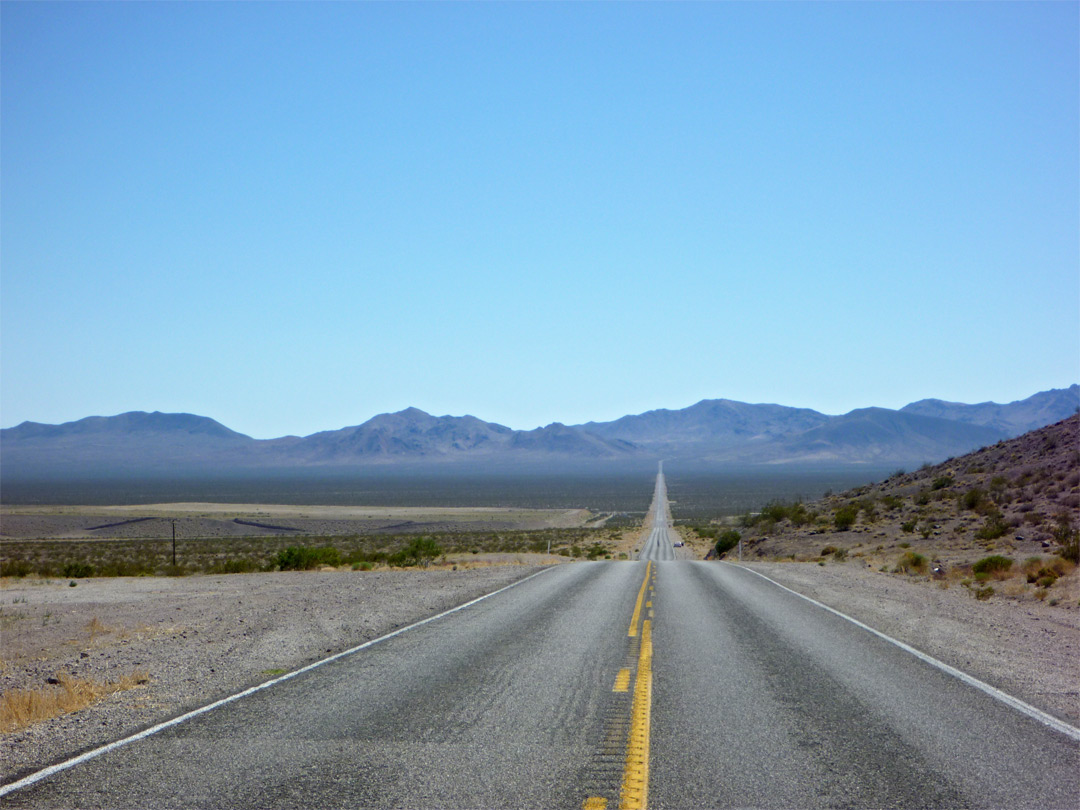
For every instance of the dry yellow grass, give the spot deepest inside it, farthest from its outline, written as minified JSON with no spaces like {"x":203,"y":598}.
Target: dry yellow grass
{"x":95,"y":628}
{"x":20,"y":708}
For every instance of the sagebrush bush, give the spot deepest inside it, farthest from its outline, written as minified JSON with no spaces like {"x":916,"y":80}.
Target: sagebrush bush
{"x":911,"y":562}
{"x":423,"y":550}
{"x":304,"y":558}
{"x":77,"y":570}
{"x":993,"y":564}
{"x":994,"y":527}
{"x":776,"y":511}
{"x":727,"y":541}
{"x":973,"y":498}
{"x":844,"y":517}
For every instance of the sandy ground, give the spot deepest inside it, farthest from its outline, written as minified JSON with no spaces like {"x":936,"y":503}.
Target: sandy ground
{"x":203,"y":637}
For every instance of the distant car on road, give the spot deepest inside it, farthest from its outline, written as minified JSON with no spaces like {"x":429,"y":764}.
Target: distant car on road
{"x":679,"y":544}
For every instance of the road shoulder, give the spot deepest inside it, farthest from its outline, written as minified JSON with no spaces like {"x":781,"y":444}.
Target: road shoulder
{"x":1030,"y":651}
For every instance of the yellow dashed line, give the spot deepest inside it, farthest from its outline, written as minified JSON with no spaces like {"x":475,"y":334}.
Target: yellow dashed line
{"x":640,"y":598}
{"x":594,"y":803}
{"x":622,"y":681}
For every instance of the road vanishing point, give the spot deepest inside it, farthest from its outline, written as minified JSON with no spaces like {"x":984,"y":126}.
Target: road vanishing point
{"x":657,"y":683}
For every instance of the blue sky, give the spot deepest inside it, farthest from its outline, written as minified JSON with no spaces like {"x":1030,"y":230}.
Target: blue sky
{"x":292,"y":217}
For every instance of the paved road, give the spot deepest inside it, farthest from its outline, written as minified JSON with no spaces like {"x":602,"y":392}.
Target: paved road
{"x":659,"y":545}
{"x":659,"y":684}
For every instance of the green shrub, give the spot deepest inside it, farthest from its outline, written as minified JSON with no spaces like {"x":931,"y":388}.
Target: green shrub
{"x":941,"y":482}
{"x":727,"y":541}
{"x":125,"y":568}
{"x":912,"y":562}
{"x":77,"y":570}
{"x":982,"y":594}
{"x":596,"y":550}
{"x":825,"y":552}
{"x":776,"y":511}
{"x":994,"y":527}
{"x":423,"y":550}
{"x":1070,"y":549}
{"x":908,"y":527}
{"x":991,"y":565}
{"x":1067,"y":537}
{"x":973,"y":498}
{"x":844,"y":517}
{"x":304,"y":558}
{"x":15,"y":568}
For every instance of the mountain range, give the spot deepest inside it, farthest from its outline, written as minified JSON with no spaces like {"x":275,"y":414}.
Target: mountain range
{"x":711,"y":432}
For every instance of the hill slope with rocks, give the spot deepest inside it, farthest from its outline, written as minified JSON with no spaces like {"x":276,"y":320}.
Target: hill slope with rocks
{"x":1017,"y":500}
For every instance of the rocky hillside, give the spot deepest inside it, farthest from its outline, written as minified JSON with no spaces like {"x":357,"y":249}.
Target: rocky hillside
{"x":1018,"y":500}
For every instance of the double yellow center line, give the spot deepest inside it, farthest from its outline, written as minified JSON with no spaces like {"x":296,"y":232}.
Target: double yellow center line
{"x":635,"y":782}
{"x":635,"y":785}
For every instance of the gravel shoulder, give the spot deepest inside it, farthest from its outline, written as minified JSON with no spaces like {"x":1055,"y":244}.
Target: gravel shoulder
{"x":1027,"y":649}
{"x":199,"y":638}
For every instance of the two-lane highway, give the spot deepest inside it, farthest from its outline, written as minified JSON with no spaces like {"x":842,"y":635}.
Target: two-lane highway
{"x":661,"y":684}
{"x":659,"y":545}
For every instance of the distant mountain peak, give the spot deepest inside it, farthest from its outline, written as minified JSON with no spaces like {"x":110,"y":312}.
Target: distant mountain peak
{"x":411,"y":412}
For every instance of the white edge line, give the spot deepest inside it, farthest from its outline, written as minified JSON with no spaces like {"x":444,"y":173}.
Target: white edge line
{"x":45,"y":773}
{"x":1037,"y":714}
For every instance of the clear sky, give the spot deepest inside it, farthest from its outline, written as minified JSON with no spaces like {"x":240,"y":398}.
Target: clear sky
{"x":293,"y":217}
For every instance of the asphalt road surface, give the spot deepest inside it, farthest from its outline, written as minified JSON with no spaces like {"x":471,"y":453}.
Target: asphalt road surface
{"x":658,"y":684}
{"x":660,"y":544}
